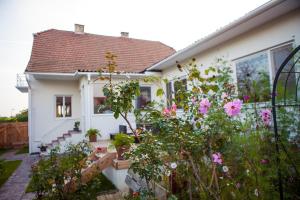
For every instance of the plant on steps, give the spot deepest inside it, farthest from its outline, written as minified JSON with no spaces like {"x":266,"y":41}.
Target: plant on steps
{"x":92,"y":133}
{"x":122,"y":142}
{"x":76,"y":126}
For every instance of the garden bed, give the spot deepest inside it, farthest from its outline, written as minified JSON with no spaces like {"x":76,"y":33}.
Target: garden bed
{"x":99,"y":185}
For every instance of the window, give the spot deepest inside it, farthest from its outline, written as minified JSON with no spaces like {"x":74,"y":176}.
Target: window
{"x":278,"y":56}
{"x":173,"y":91}
{"x":100,"y":106}
{"x":253,"y":77}
{"x":145,"y":98}
{"x":63,"y":106}
{"x":255,"y":73}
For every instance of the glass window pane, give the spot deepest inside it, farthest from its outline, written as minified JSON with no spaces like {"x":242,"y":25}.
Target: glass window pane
{"x":59,"y":106}
{"x":144,"y":98}
{"x":253,"y":77}
{"x":169,"y":93}
{"x":278,"y":56}
{"x":179,"y":87}
{"x":99,"y":105}
{"x":68,"y":107}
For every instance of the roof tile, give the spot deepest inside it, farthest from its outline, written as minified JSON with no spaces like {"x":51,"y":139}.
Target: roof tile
{"x":65,"y":51}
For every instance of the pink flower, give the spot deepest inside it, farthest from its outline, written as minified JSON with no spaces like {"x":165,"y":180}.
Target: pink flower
{"x":264,"y":161}
{"x":193,"y":100}
{"x":204,"y":106}
{"x":233,"y":108}
{"x":166,"y":112}
{"x":246,"y":98}
{"x":238,"y":185}
{"x":217,"y":158}
{"x":265,"y":115}
{"x":174,"y":107}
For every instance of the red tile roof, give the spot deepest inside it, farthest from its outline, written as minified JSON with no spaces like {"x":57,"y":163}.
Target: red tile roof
{"x":66,"y":51}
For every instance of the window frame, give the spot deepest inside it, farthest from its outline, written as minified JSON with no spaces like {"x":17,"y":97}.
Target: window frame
{"x":172,"y":81}
{"x":64,"y":100}
{"x":93,"y":108}
{"x":271,"y":67}
{"x":136,"y":100}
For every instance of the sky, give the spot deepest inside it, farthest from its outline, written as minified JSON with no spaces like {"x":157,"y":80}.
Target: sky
{"x":177,"y":23}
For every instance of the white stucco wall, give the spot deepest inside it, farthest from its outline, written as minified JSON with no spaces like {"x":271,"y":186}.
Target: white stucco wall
{"x":44,"y":126}
{"x":281,"y":30}
{"x":106,"y":123}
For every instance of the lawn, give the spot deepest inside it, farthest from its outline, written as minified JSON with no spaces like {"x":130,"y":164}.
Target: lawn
{"x":9,"y":167}
{"x":23,"y":150}
{"x":2,"y":151}
{"x":98,"y":185}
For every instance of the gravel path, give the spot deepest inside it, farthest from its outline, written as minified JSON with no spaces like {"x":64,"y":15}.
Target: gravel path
{"x":15,"y":186}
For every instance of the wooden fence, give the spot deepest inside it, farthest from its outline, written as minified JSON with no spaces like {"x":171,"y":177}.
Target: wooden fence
{"x":14,"y":134}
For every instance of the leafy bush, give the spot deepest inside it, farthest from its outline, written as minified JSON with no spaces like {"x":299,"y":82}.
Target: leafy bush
{"x":92,"y":132}
{"x":216,"y":149}
{"x":122,"y":140}
{"x":50,"y":174}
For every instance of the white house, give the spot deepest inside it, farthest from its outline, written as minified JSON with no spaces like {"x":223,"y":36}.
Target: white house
{"x":260,"y":40}
{"x":61,"y":88}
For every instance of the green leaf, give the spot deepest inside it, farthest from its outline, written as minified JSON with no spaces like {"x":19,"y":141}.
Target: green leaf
{"x":116,"y":115}
{"x":159,"y":92}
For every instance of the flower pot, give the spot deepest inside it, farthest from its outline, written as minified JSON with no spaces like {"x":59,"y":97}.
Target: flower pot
{"x":93,"y":138}
{"x":75,"y":129}
{"x":43,"y":148}
{"x":121,"y":151}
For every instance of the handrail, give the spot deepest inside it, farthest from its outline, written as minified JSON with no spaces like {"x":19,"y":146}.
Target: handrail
{"x":58,"y":126}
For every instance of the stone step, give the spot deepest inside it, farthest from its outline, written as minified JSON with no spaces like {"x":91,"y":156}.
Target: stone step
{"x":114,"y":196}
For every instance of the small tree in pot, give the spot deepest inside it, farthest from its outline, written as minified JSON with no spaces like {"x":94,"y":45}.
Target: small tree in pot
{"x":92,"y":134}
{"x":122,"y":143}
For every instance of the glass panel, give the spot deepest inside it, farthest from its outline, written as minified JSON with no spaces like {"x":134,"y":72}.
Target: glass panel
{"x":59,"y":106}
{"x":278,"y":56}
{"x":144,"y":98}
{"x":169,"y":93}
{"x":99,"y":105}
{"x":180,"y":85}
{"x":68,"y":106}
{"x":253,"y":77}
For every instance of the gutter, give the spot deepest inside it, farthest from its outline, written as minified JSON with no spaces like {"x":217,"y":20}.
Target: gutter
{"x":78,"y":74}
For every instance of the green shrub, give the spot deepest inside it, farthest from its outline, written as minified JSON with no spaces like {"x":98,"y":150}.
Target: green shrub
{"x":50,"y":174}
{"x":122,"y":140}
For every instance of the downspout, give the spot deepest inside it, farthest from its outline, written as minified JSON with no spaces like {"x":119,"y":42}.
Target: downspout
{"x":88,"y":102}
{"x":29,"y":115}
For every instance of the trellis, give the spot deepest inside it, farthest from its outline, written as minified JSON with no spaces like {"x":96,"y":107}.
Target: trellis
{"x":286,"y":95}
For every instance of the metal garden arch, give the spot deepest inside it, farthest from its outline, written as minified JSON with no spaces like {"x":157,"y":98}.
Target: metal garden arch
{"x":290,"y":101}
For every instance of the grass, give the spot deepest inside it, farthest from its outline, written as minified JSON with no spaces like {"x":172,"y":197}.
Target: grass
{"x":9,"y":167}
{"x":98,"y":185}
{"x":23,"y":150}
{"x":2,"y":151}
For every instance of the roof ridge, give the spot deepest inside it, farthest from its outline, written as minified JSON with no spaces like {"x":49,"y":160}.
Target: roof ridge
{"x":94,"y":34}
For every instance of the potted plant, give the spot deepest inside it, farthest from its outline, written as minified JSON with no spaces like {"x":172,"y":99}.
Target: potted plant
{"x":122,"y":142}
{"x":92,"y":134}
{"x":76,"y":126}
{"x":43,"y":148}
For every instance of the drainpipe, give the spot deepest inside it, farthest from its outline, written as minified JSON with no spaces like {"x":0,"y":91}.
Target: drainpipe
{"x":88,"y":103}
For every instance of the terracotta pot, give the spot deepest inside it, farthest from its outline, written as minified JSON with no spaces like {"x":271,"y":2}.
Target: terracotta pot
{"x":121,"y":151}
{"x":93,"y":138}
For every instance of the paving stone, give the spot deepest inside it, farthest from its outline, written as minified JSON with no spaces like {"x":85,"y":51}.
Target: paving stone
{"x":15,"y":186}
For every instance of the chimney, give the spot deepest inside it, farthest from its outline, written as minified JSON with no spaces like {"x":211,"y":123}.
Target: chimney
{"x":125,"y":34}
{"x":79,"y":29}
